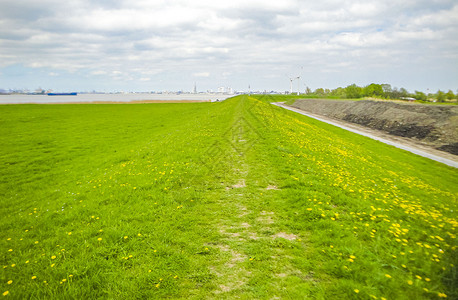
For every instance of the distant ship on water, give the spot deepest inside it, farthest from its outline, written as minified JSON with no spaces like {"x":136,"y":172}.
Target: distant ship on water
{"x":62,"y":94}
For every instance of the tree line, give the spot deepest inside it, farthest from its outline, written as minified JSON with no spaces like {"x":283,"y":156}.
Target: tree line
{"x":383,"y":91}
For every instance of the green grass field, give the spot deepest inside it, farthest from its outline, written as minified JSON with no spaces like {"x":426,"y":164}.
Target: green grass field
{"x":237,"y":199}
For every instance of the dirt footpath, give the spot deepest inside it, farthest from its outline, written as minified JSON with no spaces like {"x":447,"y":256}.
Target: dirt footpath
{"x":430,"y":126}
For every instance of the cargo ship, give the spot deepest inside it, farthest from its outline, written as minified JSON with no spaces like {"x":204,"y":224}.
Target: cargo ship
{"x":62,"y":94}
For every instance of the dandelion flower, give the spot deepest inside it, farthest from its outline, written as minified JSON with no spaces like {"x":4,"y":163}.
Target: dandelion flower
{"x":99,"y":239}
{"x":34,"y":277}
{"x":69,"y":233}
{"x":387,"y":275}
{"x":10,"y":282}
{"x":125,"y":237}
{"x":5,"y":293}
{"x":427,"y":279}
{"x":409,"y":282}
{"x":442,"y":295}
{"x":53,"y":257}
{"x":13,"y":265}
{"x":356,"y":291}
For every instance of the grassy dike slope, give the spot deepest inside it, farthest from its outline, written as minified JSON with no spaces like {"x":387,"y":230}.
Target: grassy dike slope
{"x":216,"y":200}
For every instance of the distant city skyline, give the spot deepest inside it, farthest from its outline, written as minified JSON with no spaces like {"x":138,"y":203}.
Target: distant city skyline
{"x":120,"y":45}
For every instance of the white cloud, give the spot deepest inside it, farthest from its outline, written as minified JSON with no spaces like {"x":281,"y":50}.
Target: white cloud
{"x":99,"y":72}
{"x":202,"y":74}
{"x":180,"y":39}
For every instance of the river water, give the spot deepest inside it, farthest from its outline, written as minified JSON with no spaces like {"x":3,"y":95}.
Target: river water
{"x":82,"y":98}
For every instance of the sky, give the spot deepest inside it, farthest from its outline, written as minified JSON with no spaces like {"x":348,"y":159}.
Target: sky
{"x":155,"y":45}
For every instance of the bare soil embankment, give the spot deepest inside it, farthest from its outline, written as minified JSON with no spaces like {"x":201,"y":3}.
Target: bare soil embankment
{"x":433,"y":126}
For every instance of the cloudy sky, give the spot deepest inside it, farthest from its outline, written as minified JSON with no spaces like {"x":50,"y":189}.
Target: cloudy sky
{"x":156,"y":45}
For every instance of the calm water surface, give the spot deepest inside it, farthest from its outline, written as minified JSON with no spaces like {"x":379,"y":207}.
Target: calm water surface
{"x":37,"y":99}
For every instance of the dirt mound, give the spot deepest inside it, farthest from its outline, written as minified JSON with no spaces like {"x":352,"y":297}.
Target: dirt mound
{"x":435,"y":126}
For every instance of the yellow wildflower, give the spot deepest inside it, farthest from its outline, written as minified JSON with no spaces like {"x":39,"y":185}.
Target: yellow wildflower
{"x":442,"y":295}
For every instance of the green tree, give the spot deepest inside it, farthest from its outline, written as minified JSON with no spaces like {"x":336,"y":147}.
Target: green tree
{"x":373,"y":90}
{"x":353,"y":91}
{"x":420,"y":96}
{"x":338,"y":92}
{"x":450,"y":95}
{"x":386,"y":90}
{"x":319,"y":92}
{"x":440,"y":96}
{"x":403,"y":92}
